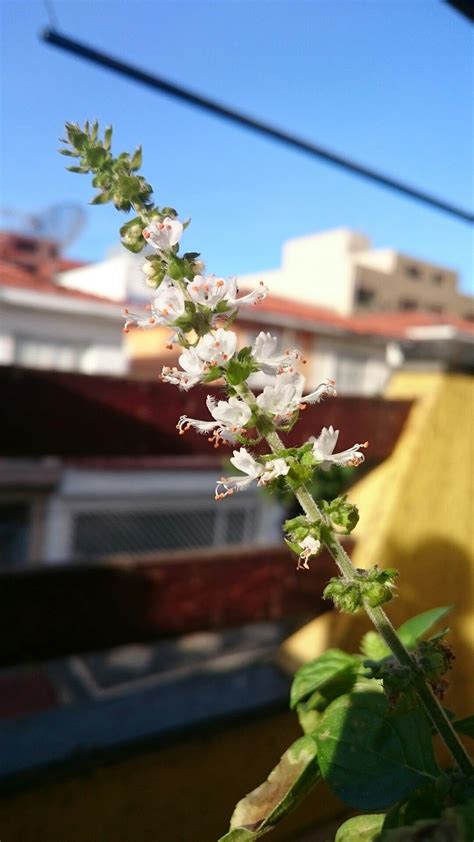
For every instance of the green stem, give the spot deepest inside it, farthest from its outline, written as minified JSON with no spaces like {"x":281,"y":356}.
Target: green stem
{"x":386,"y":630}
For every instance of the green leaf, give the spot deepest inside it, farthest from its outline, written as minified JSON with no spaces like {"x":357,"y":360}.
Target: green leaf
{"x":372,"y":757}
{"x":456,"y":824}
{"x":414,"y":629}
{"x":289,"y":782}
{"x":96,"y":156}
{"x":361,"y":828}
{"x":238,"y":835}
{"x":108,"y":137}
{"x":373,"y":647}
{"x":238,"y":372}
{"x":308,"y":718}
{"x":136,"y":161}
{"x":213,"y":374}
{"x":331,"y":665}
{"x":101,"y":198}
{"x":78,"y":169}
{"x":465,"y":726}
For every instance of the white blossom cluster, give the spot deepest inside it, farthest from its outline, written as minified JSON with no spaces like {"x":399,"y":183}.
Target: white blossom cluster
{"x":210,"y":355}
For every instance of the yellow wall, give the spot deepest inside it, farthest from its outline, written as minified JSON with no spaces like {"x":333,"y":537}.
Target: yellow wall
{"x":416,"y":513}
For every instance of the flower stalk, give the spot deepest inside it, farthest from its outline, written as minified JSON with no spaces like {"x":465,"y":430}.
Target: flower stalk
{"x":200,"y":310}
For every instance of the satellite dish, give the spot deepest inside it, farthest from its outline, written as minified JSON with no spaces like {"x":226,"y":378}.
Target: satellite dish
{"x":60,"y":224}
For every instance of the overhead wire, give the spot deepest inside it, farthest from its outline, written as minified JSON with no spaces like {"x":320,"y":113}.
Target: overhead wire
{"x":51,"y":14}
{"x":51,"y":36}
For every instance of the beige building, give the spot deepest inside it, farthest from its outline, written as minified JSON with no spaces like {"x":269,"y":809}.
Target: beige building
{"x":338,"y":269}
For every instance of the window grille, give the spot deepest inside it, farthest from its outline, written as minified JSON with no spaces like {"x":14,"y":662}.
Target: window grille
{"x":97,"y":533}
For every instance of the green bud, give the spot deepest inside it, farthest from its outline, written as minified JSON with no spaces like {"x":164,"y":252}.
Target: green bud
{"x":376,"y":593}
{"x":343,"y":515}
{"x":346,"y":596}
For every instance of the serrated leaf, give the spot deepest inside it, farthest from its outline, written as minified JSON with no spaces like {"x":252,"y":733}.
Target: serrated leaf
{"x":331,"y":665}
{"x":361,"y":828}
{"x":260,"y":810}
{"x":372,"y":757}
{"x":413,"y":630}
{"x":465,"y":726}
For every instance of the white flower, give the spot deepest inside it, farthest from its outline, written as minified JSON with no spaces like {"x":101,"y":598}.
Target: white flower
{"x":327,"y":389}
{"x":253,"y":297}
{"x":217,"y":348}
{"x":162,"y":235}
{"x":273,"y":469}
{"x":263,"y":350}
{"x":210,"y":291}
{"x":323,"y":450}
{"x":169,"y":301}
{"x":243,"y":461}
{"x":193,"y":370}
{"x":309,"y":546}
{"x":233,"y":414}
{"x":167,"y":306}
{"x":285,"y":396}
{"x":230,"y":417}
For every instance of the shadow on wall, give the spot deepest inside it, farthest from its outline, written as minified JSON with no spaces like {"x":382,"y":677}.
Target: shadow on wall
{"x":432,"y":573}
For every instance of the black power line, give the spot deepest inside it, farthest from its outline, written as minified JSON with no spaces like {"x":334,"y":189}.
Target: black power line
{"x":464,"y":7}
{"x":50,"y":36}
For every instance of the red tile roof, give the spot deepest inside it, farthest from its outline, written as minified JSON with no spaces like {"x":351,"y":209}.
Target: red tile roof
{"x":393,"y":324}
{"x":15,"y":276}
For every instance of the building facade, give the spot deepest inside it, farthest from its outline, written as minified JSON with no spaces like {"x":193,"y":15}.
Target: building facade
{"x":45,"y":325}
{"x":338,"y":269}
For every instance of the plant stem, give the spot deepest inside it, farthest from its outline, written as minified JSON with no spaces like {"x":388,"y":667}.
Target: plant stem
{"x":386,"y":630}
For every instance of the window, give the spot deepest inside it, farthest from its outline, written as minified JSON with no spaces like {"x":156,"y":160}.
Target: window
{"x":97,"y":533}
{"x":364,"y":295}
{"x":350,"y":374}
{"x":14,"y":521}
{"x":437,"y":277}
{"x":436,"y":308}
{"x":407,"y":304}
{"x":48,"y":354}
{"x":413,"y":271}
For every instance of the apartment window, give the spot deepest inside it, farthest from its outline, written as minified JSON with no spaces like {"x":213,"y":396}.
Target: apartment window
{"x":437,"y":277}
{"x":407,"y":304}
{"x":39,"y":353}
{"x":364,"y":296}
{"x":413,"y":271}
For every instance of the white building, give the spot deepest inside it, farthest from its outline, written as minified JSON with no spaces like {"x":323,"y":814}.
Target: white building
{"x":52,"y":512}
{"x":44,"y":325}
{"x":340,"y":270}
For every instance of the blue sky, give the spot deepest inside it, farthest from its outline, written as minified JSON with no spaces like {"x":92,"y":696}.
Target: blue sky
{"x":386,"y":83}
